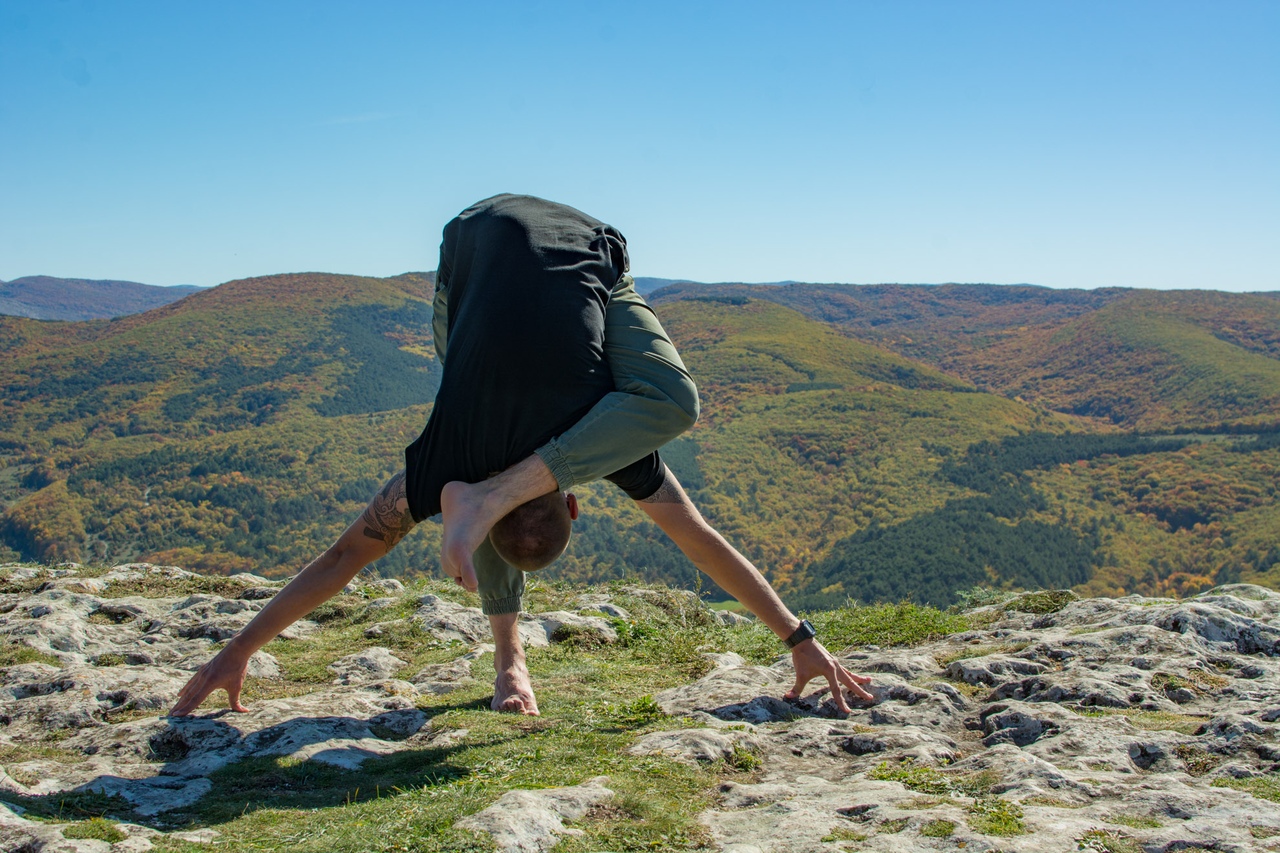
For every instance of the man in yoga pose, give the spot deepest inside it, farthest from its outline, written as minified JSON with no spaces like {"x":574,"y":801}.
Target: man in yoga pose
{"x":552,"y":362}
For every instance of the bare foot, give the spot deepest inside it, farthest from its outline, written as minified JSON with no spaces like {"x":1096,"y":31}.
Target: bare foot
{"x":513,"y":692}
{"x":465,"y":526}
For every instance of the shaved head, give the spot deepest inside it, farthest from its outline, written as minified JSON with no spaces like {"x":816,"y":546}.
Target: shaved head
{"x":534,"y":534}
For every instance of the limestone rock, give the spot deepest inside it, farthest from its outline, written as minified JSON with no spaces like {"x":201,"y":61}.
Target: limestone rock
{"x":446,"y":621}
{"x":373,"y":664}
{"x":603,"y":603}
{"x":904,"y":663}
{"x":695,"y":746}
{"x":729,"y":692}
{"x":991,"y":669}
{"x":1100,"y":715}
{"x":731,"y":619}
{"x":562,"y":626}
{"x":444,"y":678}
{"x":532,"y":821}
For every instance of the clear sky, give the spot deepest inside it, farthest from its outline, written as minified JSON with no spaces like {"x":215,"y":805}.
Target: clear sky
{"x":1070,"y":144}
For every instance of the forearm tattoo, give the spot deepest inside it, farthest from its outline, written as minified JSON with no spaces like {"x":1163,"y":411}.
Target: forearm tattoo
{"x":668,"y":492}
{"x":387,"y":516}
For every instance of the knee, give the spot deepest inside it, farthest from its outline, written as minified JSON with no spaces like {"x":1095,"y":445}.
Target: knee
{"x":673,"y":403}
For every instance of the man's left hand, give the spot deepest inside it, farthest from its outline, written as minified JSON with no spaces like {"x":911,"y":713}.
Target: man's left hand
{"x":812,"y":661}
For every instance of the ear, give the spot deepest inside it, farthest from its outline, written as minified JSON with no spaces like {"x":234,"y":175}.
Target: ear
{"x":572,"y":501}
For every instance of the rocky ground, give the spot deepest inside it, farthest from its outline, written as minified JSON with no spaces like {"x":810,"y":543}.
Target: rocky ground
{"x":1048,"y":724}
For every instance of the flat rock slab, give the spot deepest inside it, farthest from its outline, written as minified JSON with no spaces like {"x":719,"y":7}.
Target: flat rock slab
{"x":728,"y":690}
{"x":696,"y":746}
{"x":532,"y":821}
{"x":375,"y":664}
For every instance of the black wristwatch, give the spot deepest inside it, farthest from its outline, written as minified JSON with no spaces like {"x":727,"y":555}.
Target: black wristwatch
{"x":804,"y":632}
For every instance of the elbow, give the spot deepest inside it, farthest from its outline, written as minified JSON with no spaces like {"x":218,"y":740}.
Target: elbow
{"x":685,"y":401}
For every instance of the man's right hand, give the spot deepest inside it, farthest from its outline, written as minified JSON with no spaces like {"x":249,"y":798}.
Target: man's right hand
{"x":224,"y":672}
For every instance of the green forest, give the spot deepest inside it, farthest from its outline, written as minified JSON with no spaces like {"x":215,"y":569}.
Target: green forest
{"x":865,"y":444}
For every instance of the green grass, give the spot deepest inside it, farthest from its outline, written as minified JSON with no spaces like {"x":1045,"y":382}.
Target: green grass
{"x":904,"y":624}
{"x":1154,"y":721}
{"x":921,"y":803}
{"x":1199,"y":761}
{"x":927,"y":780}
{"x":99,"y":828}
{"x":744,"y":759}
{"x":71,"y":805}
{"x":414,"y":797}
{"x":1196,"y":681}
{"x":12,"y":654}
{"x":980,"y":596}
{"x":994,"y":816}
{"x":1262,"y":787}
{"x":1045,"y":601}
{"x":938,"y":828}
{"x":1107,"y":841}
{"x":923,"y":779}
{"x":1051,"y":802}
{"x":967,"y":652}
{"x":12,"y":753}
{"x":844,"y":834}
{"x":157,"y":586}
{"x":729,"y":605}
{"x":11,"y":586}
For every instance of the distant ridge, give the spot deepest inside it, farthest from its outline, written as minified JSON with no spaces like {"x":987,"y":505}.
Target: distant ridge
{"x":44,"y":297}
{"x":647,"y":284}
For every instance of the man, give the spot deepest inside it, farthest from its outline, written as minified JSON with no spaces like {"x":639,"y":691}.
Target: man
{"x":552,"y":362}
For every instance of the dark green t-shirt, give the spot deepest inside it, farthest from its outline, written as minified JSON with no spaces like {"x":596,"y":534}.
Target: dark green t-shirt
{"x":527,"y":281}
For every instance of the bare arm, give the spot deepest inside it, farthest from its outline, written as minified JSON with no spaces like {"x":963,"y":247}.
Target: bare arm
{"x":671,"y":509}
{"x":382,"y":524}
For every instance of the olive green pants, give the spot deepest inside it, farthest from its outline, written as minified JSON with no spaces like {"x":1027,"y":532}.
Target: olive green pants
{"x":655,"y":401}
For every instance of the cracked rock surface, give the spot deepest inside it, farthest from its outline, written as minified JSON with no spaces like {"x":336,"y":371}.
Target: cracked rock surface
{"x":1106,"y":725}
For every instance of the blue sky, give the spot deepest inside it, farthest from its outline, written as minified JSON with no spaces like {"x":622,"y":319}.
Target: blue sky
{"x":1070,"y":144}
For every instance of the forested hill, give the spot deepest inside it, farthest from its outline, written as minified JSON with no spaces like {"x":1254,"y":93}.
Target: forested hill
{"x":241,"y":354}
{"x":870,"y":454}
{"x":1137,"y":358}
{"x":44,"y":297}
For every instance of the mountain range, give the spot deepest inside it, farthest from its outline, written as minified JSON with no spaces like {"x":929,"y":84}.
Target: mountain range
{"x":867,"y":442}
{"x":44,"y":297}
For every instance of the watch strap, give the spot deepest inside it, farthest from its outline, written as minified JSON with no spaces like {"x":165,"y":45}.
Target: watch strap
{"x":799,"y":635}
